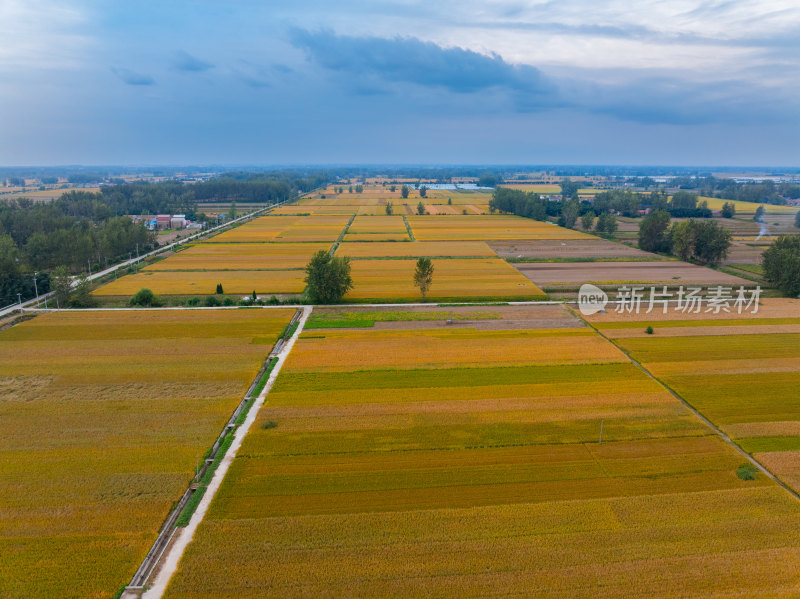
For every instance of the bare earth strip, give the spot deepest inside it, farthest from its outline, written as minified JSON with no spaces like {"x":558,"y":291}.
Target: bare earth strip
{"x":568,"y":248}
{"x":673,"y":273}
{"x":704,"y":331}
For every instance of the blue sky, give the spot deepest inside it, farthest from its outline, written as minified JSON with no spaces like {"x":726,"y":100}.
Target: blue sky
{"x":678,"y":82}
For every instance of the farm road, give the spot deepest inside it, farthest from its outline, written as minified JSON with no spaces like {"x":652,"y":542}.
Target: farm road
{"x":184,"y":537}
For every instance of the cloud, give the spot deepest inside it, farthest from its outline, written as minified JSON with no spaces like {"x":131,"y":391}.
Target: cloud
{"x":191,"y":64}
{"x":373,"y":65}
{"x":410,"y":60}
{"x":132,"y":77}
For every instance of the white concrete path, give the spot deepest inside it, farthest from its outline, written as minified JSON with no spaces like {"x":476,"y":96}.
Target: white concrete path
{"x":184,"y":537}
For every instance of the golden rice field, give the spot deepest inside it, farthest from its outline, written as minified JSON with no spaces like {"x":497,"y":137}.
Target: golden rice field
{"x":240,"y":256}
{"x":377,"y":224}
{"x":436,"y":348}
{"x":742,"y":373}
{"x":748,"y":207}
{"x":444,"y":249}
{"x":447,"y":209}
{"x":486,"y":227}
{"x":205,"y":282}
{"x":452,"y":278}
{"x":414,"y":463}
{"x":103,"y":415}
{"x":319,"y":228}
{"x":540,"y":188}
{"x":376,"y":237}
{"x":264,"y":228}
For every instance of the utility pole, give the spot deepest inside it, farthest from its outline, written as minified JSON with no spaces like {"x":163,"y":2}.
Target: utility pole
{"x":19,"y":298}
{"x":137,"y":251}
{"x":35,"y":287}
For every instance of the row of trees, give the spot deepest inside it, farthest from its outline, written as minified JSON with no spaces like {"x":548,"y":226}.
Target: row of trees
{"x":699,"y":240}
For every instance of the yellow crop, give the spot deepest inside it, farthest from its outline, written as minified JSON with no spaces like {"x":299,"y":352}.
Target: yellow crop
{"x":103,"y":416}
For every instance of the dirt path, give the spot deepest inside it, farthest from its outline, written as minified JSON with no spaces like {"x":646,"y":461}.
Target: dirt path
{"x":171,"y":559}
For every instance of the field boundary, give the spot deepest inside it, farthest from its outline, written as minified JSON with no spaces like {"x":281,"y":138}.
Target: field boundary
{"x":719,"y":432}
{"x":169,"y":559}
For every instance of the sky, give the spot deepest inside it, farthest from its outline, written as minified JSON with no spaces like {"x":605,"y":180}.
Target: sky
{"x":230,"y":82}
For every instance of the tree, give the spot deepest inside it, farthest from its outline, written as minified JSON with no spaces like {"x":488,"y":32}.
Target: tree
{"x":145,"y":297}
{"x":10,"y":274}
{"x":759,"y":215}
{"x":606,"y":224}
{"x":423,"y":191}
{"x":82,"y":293}
{"x":711,"y":242}
{"x":489,"y":180}
{"x":388,"y":208}
{"x":450,"y":202}
{"x":569,"y":189}
{"x":797,"y":219}
{"x":728,"y":210}
{"x":232,"y":213}
{"x":359,"y":188}
{"x":392,"y":187}
{"x":705,"y":241}
{"x":219,"y":290}
{"x":421,"y":208}
{"x":569,"y":213}
{"x":423,"y":275}
{"x":781,"y":264}
{"x":61,"y":284}
{"x":587,"y":220}
{"x":684,"y":200}
{"x":404,"y":191}
{"x":682,"y":238}
{"x":654,"y":232}
{"x":328,"y":278}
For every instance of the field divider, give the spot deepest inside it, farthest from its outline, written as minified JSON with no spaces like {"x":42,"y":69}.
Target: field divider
{"x":170,"y":555}
{"x":719,"y":432}
{"x":342,"y":234}
{"x":408,"y":228}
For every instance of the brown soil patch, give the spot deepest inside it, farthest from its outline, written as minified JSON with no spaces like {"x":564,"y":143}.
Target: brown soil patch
{"x":767,"y":308}
{"x":704,"y":331}
{"x":672,"y":272}
{"x":567,"y":248}
{"x":787,"y":428}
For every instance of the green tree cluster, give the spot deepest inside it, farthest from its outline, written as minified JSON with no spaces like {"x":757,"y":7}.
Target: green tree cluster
{"x":781,"y":264}
{"x":328,"y":278}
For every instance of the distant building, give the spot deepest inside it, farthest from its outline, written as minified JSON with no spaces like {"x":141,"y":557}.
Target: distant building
{"x":163,"y":221}
{"x":178,"y":221}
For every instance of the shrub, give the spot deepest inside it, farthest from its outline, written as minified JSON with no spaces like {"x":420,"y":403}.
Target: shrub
{"x":193,"y":301}
{"x":145,"y":297}
{"x":649,"y":330}
{"x":746,"y":472}
{"x":212,"y":301}
{"x":219,"y":290}
{"x":269,"y":424}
